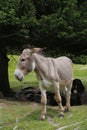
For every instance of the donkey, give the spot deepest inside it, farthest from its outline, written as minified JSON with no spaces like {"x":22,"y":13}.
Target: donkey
{"x":50,"y":72}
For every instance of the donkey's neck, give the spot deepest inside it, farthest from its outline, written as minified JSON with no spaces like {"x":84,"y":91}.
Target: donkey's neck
{"x":44,"y":67}
{"x":40,"y":65}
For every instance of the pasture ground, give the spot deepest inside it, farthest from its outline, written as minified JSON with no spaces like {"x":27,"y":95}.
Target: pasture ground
{"x":15,"y":115}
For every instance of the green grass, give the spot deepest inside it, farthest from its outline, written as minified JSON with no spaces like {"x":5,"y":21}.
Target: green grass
{"x":25,"y":115}
{"x":80,"y":71}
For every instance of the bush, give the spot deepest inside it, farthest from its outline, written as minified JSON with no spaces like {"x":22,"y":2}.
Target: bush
{"x":81,"y":59}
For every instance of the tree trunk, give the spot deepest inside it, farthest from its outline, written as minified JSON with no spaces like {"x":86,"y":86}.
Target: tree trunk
{"x":4,"y":81}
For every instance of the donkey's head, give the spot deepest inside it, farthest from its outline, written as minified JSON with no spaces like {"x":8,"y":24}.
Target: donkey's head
{"x":26,"y":63}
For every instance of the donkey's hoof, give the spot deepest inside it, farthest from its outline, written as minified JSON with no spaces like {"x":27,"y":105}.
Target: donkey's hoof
{"x":66,"y":110}
{"x":43,"y":117}
{"x":61,"y":115}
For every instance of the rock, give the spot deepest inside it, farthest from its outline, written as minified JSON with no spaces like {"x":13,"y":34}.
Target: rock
{"x":84,"y":98}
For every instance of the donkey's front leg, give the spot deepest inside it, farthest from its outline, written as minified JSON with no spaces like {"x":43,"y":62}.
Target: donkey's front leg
{"x":44,"y":103}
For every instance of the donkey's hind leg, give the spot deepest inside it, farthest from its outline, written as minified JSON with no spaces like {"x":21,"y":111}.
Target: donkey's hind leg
{"x":59,"y":99}
{"x":68,"y":96}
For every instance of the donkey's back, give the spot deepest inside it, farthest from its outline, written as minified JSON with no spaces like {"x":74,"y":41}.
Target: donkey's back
{"x":63,"y":66}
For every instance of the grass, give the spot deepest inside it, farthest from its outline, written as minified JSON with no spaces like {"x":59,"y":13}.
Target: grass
{"x":25,"y":115}
{"x":80,"y":71}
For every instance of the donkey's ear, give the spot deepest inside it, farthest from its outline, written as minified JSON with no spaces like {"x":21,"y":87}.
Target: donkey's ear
{"x":36,"y":50}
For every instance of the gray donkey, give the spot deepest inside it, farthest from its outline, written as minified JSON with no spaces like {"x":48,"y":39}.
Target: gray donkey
{"x":50,"y":72}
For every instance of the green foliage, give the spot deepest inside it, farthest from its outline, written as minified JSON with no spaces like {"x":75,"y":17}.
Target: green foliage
{"x":16,"y":12}
{"x":51,"y":23}
{"x":8,"y":11}
{"x":65,"y":25}
{"x":80,"y":59}
{"x":77,"y":59}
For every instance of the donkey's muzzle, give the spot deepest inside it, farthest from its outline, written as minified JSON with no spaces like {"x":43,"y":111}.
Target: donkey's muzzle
{"x":19,"y":74}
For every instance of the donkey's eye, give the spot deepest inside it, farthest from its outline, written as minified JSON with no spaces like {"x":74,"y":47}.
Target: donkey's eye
{"x":22,"y":59}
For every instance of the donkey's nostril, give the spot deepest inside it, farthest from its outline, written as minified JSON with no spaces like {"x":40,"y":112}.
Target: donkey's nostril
{"x":20,"y":78}
{"x":18,"y":74}
{"x":17,"y":77}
